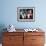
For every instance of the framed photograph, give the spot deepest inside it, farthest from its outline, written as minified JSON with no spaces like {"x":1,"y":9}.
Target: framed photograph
{"x":26,"y":14}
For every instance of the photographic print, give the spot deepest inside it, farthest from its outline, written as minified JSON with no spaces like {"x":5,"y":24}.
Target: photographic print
{"x":26,"y":14}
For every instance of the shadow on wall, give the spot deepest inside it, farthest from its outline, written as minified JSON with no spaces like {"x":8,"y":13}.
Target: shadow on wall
{"x":2,"y":26}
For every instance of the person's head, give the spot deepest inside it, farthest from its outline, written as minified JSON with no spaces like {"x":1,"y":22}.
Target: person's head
{"x":30,"y":11}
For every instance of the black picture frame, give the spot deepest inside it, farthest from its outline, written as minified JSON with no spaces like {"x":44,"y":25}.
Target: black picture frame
{"x":26,"y":14}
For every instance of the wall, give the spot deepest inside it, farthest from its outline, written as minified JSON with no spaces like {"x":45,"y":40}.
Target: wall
{"x":9,"y":13}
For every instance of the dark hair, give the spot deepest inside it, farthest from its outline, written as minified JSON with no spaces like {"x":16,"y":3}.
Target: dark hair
{"x":29,"y":10}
